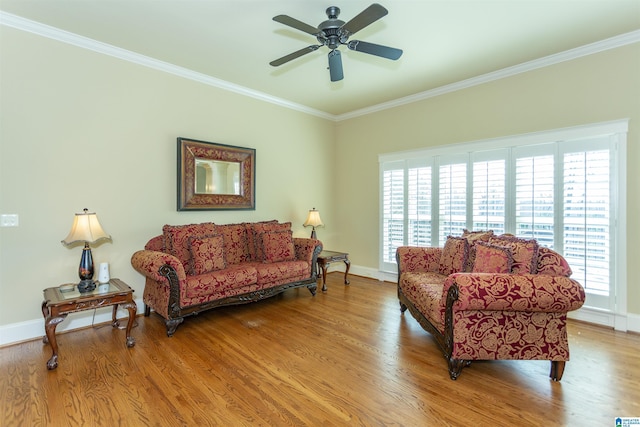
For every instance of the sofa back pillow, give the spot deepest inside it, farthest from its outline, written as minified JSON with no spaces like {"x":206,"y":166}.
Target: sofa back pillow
{"x":177,"y":239}
{"x":524,"y":251}
{"x":454,"y":255}
{"x":277,"y":246}
{"x":207,"y":254}
{"x":266,"y":227}
{"x":236,"y":245}
{"x":492,"y":259}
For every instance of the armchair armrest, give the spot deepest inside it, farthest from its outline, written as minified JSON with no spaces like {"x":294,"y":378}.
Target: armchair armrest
{"x":148,"y":263}
{"x":514,"y":292}
{"x":418,"y":259}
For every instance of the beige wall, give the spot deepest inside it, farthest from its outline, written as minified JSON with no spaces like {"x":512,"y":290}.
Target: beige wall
{"x":598,"y":88}
{"x":80,"y":129}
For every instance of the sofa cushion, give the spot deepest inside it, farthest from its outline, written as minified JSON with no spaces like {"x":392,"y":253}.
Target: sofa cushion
{"x":219,"y":283}
{"x":207,"y":254}
{"x":454,"y":255}
{"x":177,"y":239}
{"x":524,"y":251}
{"x":492,"y":259}
{"x":277,"y":273}
{"x":236,"y":244}
{"x":277,"y":246}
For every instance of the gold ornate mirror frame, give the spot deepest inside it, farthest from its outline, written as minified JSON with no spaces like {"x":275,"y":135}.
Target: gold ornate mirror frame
{"x":215,"y":176}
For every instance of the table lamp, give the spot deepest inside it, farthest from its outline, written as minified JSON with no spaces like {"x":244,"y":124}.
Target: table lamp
{"x":86,"y":228}
{"x":313,"y":220}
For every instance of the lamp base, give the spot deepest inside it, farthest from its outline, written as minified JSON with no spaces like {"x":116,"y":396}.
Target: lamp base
{"x":86,"y":285}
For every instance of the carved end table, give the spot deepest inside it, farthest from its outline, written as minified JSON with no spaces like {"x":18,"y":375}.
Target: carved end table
{"x":58,"y":304}
{"x":327,"y":257}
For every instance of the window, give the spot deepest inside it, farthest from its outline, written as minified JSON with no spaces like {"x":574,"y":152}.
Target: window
{"x":557,"y":187}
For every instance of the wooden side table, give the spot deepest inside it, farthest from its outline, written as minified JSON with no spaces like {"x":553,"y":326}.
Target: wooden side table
{"x":327,"y":257}
{"x":58,"y":304}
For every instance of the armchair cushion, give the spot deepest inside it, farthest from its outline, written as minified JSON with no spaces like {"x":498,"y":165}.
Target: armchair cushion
{"x":454,"y":255}
{"x":207,"y":254}
{"x":492,"y":259}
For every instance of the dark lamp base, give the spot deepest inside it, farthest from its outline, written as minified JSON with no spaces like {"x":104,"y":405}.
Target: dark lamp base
{"x":86,"y":286}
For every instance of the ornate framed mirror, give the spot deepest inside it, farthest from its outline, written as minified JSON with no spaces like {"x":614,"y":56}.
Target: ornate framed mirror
{"x":215,"y":176}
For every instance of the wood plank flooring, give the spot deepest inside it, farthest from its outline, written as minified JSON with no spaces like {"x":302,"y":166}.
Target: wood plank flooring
{"x":344,"y":357}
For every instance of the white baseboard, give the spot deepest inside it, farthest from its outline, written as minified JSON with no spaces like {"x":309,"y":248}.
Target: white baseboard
{"x":25,"y":331}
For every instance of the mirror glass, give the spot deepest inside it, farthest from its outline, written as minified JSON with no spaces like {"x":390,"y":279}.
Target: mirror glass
{"x":217,"y":177}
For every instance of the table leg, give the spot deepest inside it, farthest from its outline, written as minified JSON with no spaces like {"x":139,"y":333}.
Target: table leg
{"x":324,"y":267}
{"x":346,"y":272}
{"x":50,"y":324}
{"x":132,"y":307}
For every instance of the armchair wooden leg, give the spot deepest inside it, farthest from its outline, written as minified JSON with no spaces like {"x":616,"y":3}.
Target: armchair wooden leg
{"x":557,"y":369}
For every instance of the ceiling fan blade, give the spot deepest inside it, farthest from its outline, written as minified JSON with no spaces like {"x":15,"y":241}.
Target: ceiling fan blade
{"x":375,"y":49}
{"x":294,"y":55}
{"x":294,"y":23}
{"x":335,"y":66}
{"x":364,"y":18}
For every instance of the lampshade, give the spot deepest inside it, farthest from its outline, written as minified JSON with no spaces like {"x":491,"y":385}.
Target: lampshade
{"x":313,"y":219}
{"x":86,"y":228}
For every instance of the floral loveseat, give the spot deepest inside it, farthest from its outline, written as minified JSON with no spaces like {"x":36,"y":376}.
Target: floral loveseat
{"x":196,"y":267}
{"x":487,"y":297}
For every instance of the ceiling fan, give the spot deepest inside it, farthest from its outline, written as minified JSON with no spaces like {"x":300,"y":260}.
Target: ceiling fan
{"x":333,"y":32}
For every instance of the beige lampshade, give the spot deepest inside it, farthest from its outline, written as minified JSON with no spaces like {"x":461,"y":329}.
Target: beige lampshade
{"x":313,"y":219}
{"x":85,"y":228}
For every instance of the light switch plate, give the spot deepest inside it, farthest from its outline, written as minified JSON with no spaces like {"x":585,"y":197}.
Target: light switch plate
{"x":9,"y":220}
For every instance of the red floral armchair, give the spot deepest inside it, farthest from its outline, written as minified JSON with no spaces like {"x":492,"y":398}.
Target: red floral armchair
{"x":487,"y":297}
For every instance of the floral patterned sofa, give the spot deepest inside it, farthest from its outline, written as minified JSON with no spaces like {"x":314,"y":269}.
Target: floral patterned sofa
{"x":489,"y":297}
{"x":196,"y":267}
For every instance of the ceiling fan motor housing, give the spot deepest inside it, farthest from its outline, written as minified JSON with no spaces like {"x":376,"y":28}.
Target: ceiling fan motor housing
{"x":330,"y":30}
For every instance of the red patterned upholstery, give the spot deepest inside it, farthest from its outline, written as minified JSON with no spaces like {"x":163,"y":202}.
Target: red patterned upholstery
{"x":195,"y":267}
{"x":488,"y":316}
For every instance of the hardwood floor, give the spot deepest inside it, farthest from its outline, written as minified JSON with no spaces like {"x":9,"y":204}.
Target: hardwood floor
{"x":344,"y":357}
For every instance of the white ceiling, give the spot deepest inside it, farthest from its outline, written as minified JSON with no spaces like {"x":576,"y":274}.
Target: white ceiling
{"x":444,"y":41}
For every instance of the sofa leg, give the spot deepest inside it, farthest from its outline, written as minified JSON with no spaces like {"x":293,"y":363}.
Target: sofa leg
{"x":172,"y":325}
{"x":455,"y":367}
{"x":557,"y":369}
{"x":403,"y":307}
{"x":147,"y":310}
{"x":313,"y":288}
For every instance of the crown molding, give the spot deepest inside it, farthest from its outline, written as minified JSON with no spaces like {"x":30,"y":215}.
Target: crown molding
{"x":590,"y":49}
{"x":57,"y":34}
{"x":43,"y":30}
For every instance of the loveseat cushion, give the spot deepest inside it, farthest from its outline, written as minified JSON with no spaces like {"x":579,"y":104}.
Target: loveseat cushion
{"x":473,"y":237}
{"x":424,"y":290}
{"x":258,"y":229}
{"x":552,"y":264}
{"x":492,"y":259}
{"x":454,"y":255}
{"x":277,"y":246}
{"x":524,"y":251}
{"x":207,"y":254}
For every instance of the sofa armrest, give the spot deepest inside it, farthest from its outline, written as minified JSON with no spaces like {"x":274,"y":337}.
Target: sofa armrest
{"x":418,"y":259}
{"x":514,"y":292}
{"x":305,"y":248}
{"x":148,"y":263}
